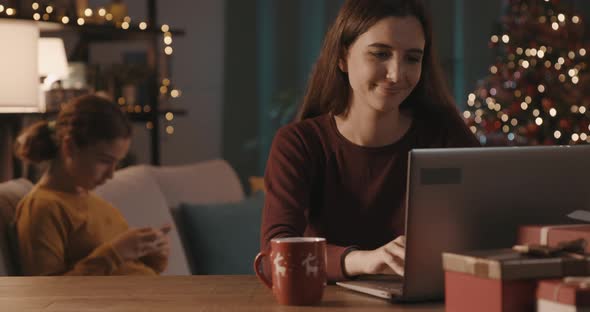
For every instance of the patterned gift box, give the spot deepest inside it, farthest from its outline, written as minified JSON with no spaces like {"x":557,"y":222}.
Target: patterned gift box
{"x":571,"y":294}
{"x":502,"y":280}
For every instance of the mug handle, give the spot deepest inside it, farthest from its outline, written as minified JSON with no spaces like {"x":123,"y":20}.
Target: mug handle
{"x":258,"y":270}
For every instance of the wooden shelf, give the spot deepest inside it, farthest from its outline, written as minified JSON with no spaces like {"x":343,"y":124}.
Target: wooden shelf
{"x":97,"y":32}
{"x":103,"y":32}
{"x":134,"y":117}
{"x":145,"y":117}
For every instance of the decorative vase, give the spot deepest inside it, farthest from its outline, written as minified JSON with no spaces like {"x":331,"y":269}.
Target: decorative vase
{"x":81,"y":6}
{"x":118,"y":10}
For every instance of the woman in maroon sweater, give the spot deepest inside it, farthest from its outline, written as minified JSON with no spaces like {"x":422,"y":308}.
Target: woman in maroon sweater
{"x":339,"y":172}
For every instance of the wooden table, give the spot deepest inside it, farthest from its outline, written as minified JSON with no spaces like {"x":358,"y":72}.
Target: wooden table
{"x":172,"y":293}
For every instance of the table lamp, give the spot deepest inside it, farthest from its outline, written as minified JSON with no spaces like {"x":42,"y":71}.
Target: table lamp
{"x":19,"y":76}
{"x":53,"y":63}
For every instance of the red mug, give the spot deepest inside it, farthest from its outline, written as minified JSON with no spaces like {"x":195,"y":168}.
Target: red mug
{"x":298,"y":269}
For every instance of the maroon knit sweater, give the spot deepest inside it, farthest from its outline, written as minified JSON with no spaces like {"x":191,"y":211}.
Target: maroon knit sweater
{"x":320,"y":184}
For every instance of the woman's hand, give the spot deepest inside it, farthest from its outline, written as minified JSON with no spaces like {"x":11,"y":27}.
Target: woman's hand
{"x":387,"y":259}
{"x":136,"y":243}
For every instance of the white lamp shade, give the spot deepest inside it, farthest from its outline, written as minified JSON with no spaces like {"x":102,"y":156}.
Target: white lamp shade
{"x":19,"y":77}
{"x":52,"y":58}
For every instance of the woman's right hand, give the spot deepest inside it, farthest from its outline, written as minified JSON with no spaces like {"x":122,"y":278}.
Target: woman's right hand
{"x":387,"y":259}
{"x":136,"y":243}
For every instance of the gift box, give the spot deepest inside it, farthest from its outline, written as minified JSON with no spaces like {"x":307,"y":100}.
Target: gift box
{"x":552,"y":235}
{"x":502,"y":280}
{"x":571,"y":294}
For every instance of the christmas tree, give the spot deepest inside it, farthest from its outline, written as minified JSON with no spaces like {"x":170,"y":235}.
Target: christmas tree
{"x":538,"y":89}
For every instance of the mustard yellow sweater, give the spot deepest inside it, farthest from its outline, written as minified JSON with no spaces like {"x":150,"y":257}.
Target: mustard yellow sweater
{"x":67,"y":234}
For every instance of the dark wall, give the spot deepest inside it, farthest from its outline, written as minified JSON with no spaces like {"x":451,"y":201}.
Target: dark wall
{"x":240,"y":108}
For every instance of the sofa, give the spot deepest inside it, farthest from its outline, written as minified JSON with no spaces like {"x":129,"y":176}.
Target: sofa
{"x":147,"y":196}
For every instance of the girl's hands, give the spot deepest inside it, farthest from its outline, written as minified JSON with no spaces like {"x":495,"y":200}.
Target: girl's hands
{"x":136,"y":243}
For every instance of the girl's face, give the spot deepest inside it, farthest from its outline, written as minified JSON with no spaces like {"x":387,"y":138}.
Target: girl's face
{"x":384,"y":64}
{"x":93,"y":165}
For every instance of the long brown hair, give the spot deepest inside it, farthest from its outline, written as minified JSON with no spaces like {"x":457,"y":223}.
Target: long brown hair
{"x":87,"y":120}
{"x":328,"y":89}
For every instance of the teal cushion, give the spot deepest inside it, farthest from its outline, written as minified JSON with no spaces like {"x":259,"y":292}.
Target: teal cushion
{"x":222,"y":238}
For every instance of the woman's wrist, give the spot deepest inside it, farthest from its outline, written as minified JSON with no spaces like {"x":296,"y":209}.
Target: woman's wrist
{"x":353,"y":263}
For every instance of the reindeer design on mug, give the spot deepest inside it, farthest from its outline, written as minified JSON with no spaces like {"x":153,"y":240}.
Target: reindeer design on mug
{"x":309,"y":268}
{"x":279,"y":269}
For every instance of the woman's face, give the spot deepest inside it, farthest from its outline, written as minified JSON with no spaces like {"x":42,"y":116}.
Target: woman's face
{"x":384,"y":64}
{"x":93,"y":165}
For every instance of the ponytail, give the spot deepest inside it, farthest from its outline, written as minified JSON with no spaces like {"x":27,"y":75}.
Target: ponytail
{"x":37,"y":143}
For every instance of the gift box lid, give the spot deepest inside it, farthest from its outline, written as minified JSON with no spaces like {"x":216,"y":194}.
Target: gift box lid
{"x":573,"y":291}
{"x":508,"y":264}
{"x":552,"y":234}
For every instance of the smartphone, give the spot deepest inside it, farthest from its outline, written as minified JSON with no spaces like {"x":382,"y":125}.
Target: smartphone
{"x":166,"y":228}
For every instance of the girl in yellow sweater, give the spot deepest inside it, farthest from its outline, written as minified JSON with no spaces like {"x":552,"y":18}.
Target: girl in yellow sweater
{"x":62,"y":227}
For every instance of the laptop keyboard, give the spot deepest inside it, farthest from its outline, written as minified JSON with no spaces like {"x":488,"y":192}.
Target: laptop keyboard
{"x":394,"y":287}
{"x":384,"y":286}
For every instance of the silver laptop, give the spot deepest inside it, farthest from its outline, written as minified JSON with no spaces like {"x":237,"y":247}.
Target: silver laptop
{"x":475,"y":198}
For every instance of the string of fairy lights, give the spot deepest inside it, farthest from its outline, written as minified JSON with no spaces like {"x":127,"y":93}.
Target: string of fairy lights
{"x":532,"y":82}
{"x":167,"y":91}
{"x":7,"y":10}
